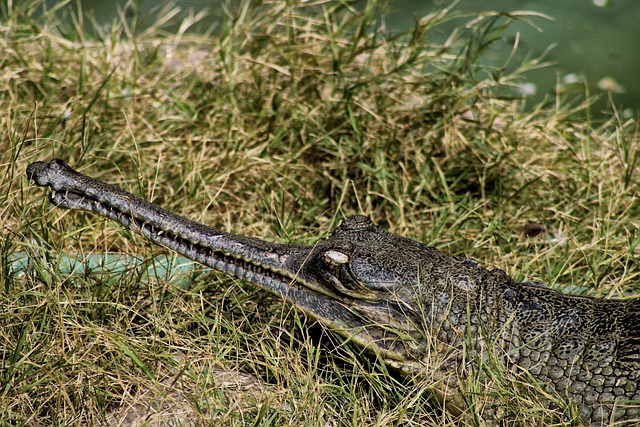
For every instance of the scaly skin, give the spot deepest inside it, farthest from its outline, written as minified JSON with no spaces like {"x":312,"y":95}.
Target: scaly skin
{"x":425,"y":313}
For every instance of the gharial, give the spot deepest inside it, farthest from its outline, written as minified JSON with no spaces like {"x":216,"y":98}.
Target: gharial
{"x":421,"y":311}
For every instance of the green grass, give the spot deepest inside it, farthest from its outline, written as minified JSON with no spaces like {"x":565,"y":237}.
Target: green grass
{"x":288,"y":119}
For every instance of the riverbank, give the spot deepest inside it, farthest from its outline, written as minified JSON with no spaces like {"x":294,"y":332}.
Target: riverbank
{"x":288,"y":121}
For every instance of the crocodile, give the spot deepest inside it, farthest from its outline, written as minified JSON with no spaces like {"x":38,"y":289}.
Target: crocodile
{"x":422,"y":312}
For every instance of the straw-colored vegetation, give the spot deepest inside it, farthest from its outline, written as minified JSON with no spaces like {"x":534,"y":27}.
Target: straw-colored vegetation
{"x":287,"y":119}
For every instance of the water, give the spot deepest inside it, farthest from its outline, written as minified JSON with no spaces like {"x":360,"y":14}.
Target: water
{"x":594,"y":42}
{"x":594,"y":47}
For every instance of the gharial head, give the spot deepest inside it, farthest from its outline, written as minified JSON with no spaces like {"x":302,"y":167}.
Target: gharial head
{"x":381,"y":289}
{"x":363,"y":282}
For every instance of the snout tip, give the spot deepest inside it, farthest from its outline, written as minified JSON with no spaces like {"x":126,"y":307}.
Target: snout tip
{"x":41,"y":172}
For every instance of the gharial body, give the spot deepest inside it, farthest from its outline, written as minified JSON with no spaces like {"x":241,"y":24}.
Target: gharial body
{"x":422,"y":311}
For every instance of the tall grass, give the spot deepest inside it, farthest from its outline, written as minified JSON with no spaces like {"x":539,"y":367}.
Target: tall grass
{"x":290,"y":117}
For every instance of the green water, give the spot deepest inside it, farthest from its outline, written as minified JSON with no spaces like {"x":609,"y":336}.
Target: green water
{"x":591,"y":48}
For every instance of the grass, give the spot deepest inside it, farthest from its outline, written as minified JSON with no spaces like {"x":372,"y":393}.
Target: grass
{"x":287,"y":119}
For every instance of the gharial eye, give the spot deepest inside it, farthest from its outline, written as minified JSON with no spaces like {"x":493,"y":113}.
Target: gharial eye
{"x":335,"y":257}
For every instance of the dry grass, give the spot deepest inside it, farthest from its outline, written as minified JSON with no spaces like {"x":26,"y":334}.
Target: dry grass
{"x":292,"y":117}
